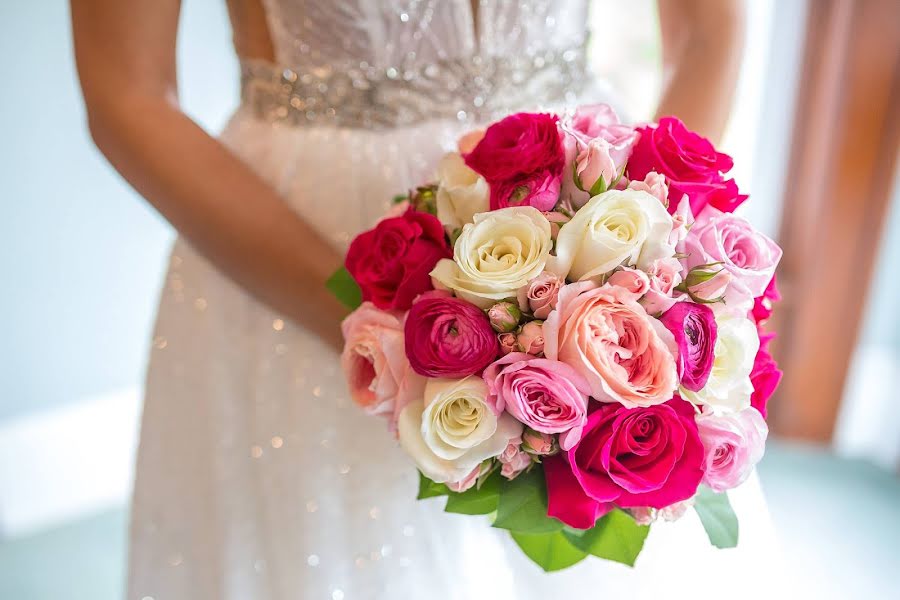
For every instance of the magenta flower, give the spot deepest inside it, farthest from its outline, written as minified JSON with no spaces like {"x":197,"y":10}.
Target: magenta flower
{"x":694,"y":328}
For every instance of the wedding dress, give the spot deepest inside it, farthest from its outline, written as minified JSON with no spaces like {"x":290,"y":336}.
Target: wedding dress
{"x":257,"y":478}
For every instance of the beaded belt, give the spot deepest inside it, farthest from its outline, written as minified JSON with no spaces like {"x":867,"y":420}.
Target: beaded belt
{"x":362,"y":96}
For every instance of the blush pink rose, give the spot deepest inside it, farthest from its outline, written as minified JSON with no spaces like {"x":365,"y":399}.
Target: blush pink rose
{"x":531,"y":338}
{"x":733,"y":444}
{"x":689,"y":161}
{"x":466,"y":482}
{"x":664,"y":275}
{"x":625,"y":355}
{"x":654,"y":184}
{"x":540,"y":295}
{"x":513,"y":460}
{"x":537,"y":443}
{"x":639,"y":457}
{"x":634,"y":280}
{"x":546,"y":395}
{"x":507,"y":342}
{"x":748,"y":255}
{"x":374,"y":361}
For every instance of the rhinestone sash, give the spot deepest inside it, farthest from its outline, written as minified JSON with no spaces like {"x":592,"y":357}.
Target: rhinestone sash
{"x":476,"y":89}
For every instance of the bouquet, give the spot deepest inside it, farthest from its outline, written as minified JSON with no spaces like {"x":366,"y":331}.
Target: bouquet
{"x":564,"y":332}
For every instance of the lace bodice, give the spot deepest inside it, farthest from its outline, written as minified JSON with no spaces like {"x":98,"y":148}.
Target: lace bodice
{"x":376,"y":63}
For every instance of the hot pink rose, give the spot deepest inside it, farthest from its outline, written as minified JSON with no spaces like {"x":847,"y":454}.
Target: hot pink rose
{"x":649,"y":456}
{"x":689,"y":161}
{"x":765,"y":377}
{"x":762,"y":305}
{"x":546,"y":395}
{"x":607,"y":337}
{"x":733,"y":444}
{"x":522,"y":158}
{"x":540,"y":295}
{"x":374,"y":362}
{"x":694,"y":329}
{"x":448,"y":337}
{"x":566,"y":499}
{"x":748,"y":255}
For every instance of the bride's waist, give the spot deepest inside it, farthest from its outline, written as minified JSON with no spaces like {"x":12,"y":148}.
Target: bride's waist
{"x":473,"y":89}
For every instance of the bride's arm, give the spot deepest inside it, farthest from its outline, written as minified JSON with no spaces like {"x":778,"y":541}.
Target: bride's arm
{"x":702,"y":42}
{"x":125,"y":52}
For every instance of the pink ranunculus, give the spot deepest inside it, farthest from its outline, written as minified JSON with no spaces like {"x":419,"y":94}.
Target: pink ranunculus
{"x":513,"y":460}
{"x":765,"y":378}
{"x":546,"y":395}
{"x":607,"y":337}
{"x":448,"y":337}
{"x":648,"y":456}
{"x":634,"y":280}
{"x":540,"y":295}
{"x":566,"y":498}
{"x":694,"y":328}
{"x":375,"y":364}
{"x":468,"y":141}
{"x":664,"y":275}
{"x":733,"y":445}
{"x":522,"y":159}
{"x":690,"y":163}
{"x":748,"y":255}
{"x":507,"y":342}
{"x":762,"y":305}
{"x":531,"y":338}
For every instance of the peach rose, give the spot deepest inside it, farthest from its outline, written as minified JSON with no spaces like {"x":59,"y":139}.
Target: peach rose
{"x":604,"y":334}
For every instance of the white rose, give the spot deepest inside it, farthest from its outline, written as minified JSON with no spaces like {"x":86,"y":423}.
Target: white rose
{"x":728,"y":388}
{"x":453,"y":429}
{"x":461,"y":192}
{"x":618,"y":227}
{"x":496,"y":255}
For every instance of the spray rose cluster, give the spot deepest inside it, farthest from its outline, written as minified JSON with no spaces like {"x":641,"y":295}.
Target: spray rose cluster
{"x":579,"y":309}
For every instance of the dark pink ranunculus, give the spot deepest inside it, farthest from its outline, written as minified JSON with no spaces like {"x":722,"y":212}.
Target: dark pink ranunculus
{"x":566,"y":499}
{"x":649,"y":456}
{"x":762,"y":305}
{"x":392,"y":262}
{"x":765,"y":376}
{"x":522,"y":159}
{"x":689,"y":161}
{"x":448,"y":337}
{"x":694,"y":328}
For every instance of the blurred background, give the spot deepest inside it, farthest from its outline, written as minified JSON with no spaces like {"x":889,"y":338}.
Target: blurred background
{"x":814,"y":136}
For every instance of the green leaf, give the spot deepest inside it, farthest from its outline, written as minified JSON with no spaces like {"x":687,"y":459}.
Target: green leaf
{"x":430,"y":489}
{"x":599,"y":187}
{"x":523,"y":505}
{"x":345,"y":289}
{"x":718,"y":518}
{"x":615,"y":537}
{"x":550,"y":551}
{"x":477,"y":500}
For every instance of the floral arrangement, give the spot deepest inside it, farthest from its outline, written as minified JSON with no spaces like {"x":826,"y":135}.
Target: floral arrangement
{"x":564,"y":331}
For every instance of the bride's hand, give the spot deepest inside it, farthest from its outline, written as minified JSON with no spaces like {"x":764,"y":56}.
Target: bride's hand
{"x":702,"y":45}
{"x":125,"y":52}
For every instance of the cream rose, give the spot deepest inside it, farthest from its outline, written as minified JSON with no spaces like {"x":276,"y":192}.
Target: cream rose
{"x":618,"y":227}
{"x":728,"y":388}
{"x":461,"y":192}
{"x":500,"y":252}
{"x":454,"y":428}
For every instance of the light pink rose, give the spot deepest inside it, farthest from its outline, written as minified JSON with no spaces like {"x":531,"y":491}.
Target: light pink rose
{"x":654,"y":184}
{"x":469,"y":140}
{"x":748,"y":255}
{"x":604,"y":334}
{"x":546,"y":395}
{"x":664,"y":275}
{"x":733,"y":444}
{"x":673,"y":512}
{"x":465,"y":483}
{"x":531,"y":338}
{"x":682,"y":221}
{"x":633,"y":280}
{"x":593,"y":162}
{"x":643,"y":515}
{"x":375,"y":364}
{"x":557,"y":220}
{"x":539,"y":296}
{"x":537,"y":443}
{"x":507,"y":342}
{"x":513,"y":459}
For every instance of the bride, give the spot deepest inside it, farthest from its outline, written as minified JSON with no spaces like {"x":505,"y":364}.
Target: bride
{"x":256,"y":478}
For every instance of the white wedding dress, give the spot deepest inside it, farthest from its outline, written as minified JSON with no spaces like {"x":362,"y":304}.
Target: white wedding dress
{"x":257,"y":478}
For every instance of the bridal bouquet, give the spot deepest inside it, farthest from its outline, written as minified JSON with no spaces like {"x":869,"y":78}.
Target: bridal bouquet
{"x":564,"y":332}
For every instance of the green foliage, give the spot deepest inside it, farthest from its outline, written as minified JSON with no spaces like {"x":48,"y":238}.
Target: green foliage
{"x":430,"y":489}
{"x":478,"y":500}
{"x":550,"y":551}
{"x":616,"y":537}
{"x":718,"y":518}
{"x":345,"y":289}
{"x":523,"y":505}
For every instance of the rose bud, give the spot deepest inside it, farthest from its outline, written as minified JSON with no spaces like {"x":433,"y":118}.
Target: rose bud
{"x":504,"y":316}
{"x":557,"y":220}
{"x":643,"y":515}
{"x":531,"y":338}
{"x":513,"y":460}
{"x":537,"y":443}
{"x":507,"y":342}
{"x":539,"y":297}
{"x":634,"y":280}
{"x":707,"y":284}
